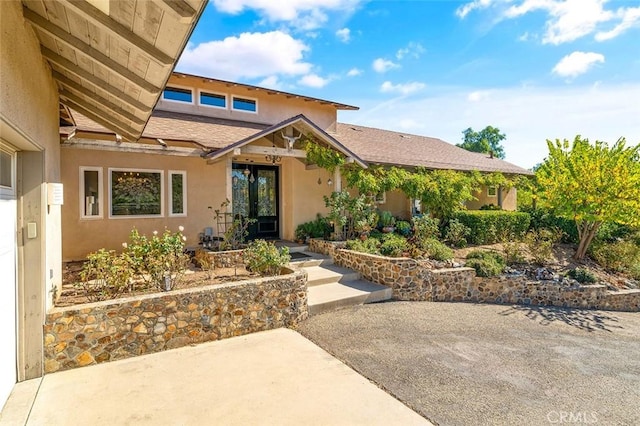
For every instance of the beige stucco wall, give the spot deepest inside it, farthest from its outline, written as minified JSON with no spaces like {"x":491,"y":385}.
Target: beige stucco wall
{"x":272,"y":109}
{"x":397,"y":203}
{"x":509,"y":199}
{"x":206,"y":187}
{"x":29,"y":105}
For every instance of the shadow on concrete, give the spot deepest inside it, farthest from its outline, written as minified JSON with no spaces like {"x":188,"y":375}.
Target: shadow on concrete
{"x":583,"y":319}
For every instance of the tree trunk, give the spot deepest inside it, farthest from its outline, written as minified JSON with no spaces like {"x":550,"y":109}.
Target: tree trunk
{"x":587,"y":231}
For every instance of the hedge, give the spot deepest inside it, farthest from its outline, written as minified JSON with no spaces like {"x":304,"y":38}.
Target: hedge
{"x":488,"y":226}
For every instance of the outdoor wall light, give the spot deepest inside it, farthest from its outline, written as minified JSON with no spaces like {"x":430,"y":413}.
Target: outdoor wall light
{"x":329,"y":182}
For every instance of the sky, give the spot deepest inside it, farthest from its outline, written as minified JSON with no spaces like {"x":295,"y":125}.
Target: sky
{"x":536,"y":69}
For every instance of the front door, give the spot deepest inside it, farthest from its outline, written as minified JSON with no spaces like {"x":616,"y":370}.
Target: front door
{"x":255,"y":196}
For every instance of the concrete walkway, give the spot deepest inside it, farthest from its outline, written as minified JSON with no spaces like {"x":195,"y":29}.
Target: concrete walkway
{"x":273,"y":377}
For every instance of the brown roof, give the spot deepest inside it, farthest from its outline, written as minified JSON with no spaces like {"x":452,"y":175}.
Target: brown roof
{"x":370,"y":144}
{"x":387,"y":147}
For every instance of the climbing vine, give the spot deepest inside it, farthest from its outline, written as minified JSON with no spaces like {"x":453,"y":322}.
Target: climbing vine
{"x":324,"y":157}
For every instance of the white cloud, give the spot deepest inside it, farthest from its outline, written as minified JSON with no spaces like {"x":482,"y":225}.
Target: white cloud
{"x":344,"y":35}
{"x":630,"y":18}
{"x":528,"y":115}
{"x":577,"y":63}
{"x":479,"y":95}
{"x":304,"y":14}
{"x":383,"y":65}
{"x":271,"y":82}
{"x":250,"y":55}
{"x":467,"y":8}
{"x":313,"y":80}
{"x":354,"y":72}
{"x":403,"y":89}
{"x":415,"y":50}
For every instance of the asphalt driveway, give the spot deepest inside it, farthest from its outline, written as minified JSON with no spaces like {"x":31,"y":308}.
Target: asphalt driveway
{"x":462,"y":364}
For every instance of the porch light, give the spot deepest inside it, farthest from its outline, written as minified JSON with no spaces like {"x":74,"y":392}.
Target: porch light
{"x":273,"y":158}
{"x":329,"y":182}
{"x":246,"y":172}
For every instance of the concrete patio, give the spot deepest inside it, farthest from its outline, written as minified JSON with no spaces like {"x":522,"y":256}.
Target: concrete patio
{"x":272,"y":377}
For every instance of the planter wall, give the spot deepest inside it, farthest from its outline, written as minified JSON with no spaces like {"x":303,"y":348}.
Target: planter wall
{"x":98,"y":332}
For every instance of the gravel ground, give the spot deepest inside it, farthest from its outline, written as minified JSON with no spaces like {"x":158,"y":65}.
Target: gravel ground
{"x":466,"y":364}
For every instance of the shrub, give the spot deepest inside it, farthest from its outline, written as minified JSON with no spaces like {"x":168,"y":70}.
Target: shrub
{"x":105,"y":275}
{"x":203,"y":260}
{"x":318,"y":228}
{"x":403,"y":228}
{"x":434,"y":249}
{"x":513,"y":252}
{"x":369,"y":245}
{"x":457,"y":233}
{"x":582,"y":275}
{"x":621,"y":256}
{"x":541,"y":242}
{"x":393,"y":245}
{"x":610,"y":232}
{"x":386,"y":219}
{"x":490,"y":207}
{"x":265,"y":258}
{"x":542,"y":218}
{"x":425,"y":227}
{"x":487,"y":225}
{"x":486,"y":263}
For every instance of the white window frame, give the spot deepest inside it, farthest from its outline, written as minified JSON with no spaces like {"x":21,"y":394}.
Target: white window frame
{"x":380,"y":200}
{"x":162,"y":196}
{"x":489,"y":188}
{"x":9,"y":192}
{"x":210,"y":92}
{"x":184,"y":193}
{"x":173,"y":86}
{"x":83,"y":197}
{"x":233,"y":97}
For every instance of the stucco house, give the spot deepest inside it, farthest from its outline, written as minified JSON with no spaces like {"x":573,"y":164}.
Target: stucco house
{"x":109,"y":60}
{"x":210,"y":140}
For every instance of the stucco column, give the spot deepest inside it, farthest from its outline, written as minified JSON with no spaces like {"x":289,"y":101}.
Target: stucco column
{"x":337,"y":180}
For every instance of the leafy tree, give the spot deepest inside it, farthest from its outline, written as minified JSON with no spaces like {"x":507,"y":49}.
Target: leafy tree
{"x":591,"y":184}
{"x":486,"y":140}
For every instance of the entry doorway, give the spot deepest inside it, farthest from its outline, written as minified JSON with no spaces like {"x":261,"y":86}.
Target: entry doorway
{"x":255,"y":192}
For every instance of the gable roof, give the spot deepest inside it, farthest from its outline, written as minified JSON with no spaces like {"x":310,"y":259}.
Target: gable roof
{"x":394,"y":148}
{"x":297,"y":120}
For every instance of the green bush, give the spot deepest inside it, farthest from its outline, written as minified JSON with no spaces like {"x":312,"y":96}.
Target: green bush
{"x":457,"y":233}
{"x":490,"y":207}
{"x":486,"y":263}
{"x":318,"y":228}
{"x":542,"y":218}
{"x":582,"y":275}
{"x":541,"y":242}
{"x":403,"y":228}
{"x":425,"y":227}
{"x":621,"y":256}
{"x":386,"y":219}
{"x":105,"y":275}
{"x":393,"y":245}
{"x":513,"y":252}
{"x":487,"y":225}
{"x":265,"y":258}
{"x":434,"y":249}
{"x":369,"y":245}
{"x":610,"y":232}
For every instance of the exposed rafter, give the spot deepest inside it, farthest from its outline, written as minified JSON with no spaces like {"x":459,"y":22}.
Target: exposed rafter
{"x":111,"y":107}
{"x":97,"y":116}
{"x":64,"y":80}
{"x":116,"y":29}
{"x":94,"y":54}
{"x":181,"y":8}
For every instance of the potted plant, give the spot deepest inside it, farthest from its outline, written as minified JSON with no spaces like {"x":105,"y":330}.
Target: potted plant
{"x":386,"y":221}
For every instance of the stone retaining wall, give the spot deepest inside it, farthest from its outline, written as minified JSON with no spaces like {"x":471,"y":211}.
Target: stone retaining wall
{"x":417,"y":280}
{"x":328,"y":248}
{"x":227,"y":259}
{"x":93,"y":333}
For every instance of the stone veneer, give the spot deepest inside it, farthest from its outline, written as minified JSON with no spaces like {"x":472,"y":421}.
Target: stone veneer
{"x":93,"y":333}
{"x":228,"y":258}
{"x":417,"y":280}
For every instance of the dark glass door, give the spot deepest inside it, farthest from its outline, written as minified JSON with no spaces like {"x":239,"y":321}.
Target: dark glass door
{"x":255,"y":196}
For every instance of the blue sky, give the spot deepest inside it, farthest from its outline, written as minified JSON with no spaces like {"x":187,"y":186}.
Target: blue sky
{"x":536,"y":69}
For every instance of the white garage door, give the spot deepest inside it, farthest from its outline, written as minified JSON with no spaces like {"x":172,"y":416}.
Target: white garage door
{"x":8,"y":216}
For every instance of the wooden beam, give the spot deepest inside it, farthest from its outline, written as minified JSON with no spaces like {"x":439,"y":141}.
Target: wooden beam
{"x":111,"y":107}
{"x":59,"y":34}
{"x":267,"y":150}
{"x":85,"y":75}
{"x":180,"y":8}
{"x":116,"y":29}
{"x":111,"y":124}
{"x":66,"y":81}
{"x":103,"y":145}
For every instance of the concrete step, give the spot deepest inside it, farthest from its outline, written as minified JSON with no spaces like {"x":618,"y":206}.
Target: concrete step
{"x":328,"y":297}
{"x":325,"y":274}
{"x":314,"y":259}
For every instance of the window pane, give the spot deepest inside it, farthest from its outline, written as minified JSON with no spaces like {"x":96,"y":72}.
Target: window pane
{"x":5,"y":169}
{"x":213,"y":100}
{"x":177,"y":194}
{"x":267,"y":193}
{"x":240,"y":193}
{"x":174,"y":94}
{"x":135,"y":193}
{"x":244,"y":104}
{"x":91,"y":193}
